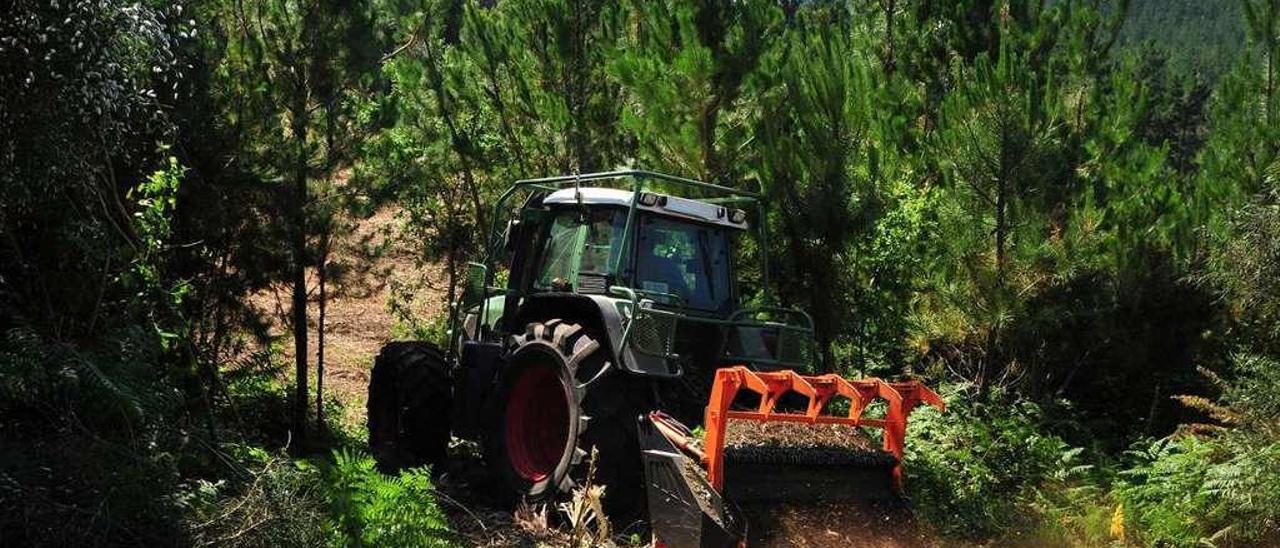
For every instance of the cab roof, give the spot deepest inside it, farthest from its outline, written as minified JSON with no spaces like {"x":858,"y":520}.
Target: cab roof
{"x":671,"y":206}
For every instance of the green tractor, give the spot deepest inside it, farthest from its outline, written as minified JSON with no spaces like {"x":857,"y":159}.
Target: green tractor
{"x":619,"y":307}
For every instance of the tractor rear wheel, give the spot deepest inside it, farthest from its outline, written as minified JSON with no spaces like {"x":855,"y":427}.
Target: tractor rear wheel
{"x":410,"y":399}
{"x":547,"y":418}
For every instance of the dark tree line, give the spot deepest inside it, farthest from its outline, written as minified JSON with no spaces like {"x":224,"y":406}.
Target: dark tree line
{"x":1023,"y":200}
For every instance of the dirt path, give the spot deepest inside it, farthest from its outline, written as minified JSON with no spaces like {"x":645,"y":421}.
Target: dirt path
{"x":482,"y":520}
{"x":359,"y":316}
{"x":370,"y":267}
{"x":856,"y":523}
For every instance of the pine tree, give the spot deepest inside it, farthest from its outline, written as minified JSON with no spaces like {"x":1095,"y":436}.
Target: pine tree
{"x":290,"y":63}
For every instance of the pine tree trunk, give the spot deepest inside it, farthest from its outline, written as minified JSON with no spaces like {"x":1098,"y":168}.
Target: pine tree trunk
{"x":890,"y":62}
{"x":322,"y":276}
{"x":451,"y":294}
{"x":707,"y":137}
{"x":1002,"y":215}
{"x":1154,"y":408}
{"x":457,"y":144}
{"x":299,"y":124}
{"x":453,"y":11}
{"x":1271,"y":86}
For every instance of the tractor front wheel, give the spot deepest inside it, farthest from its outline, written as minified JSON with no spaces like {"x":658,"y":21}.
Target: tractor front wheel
{"x":532,"y":439}
{"x":554,"y":405}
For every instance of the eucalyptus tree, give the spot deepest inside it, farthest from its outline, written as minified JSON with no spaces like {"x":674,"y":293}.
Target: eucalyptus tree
{"x":81,"y":112}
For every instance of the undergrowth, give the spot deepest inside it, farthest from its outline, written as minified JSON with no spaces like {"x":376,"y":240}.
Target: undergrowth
{"x":966,"y":468}
{"x":296,"y":502}
{"x":993,"y":473}
{"x":367,"y":508}
{"x":95,"y":449}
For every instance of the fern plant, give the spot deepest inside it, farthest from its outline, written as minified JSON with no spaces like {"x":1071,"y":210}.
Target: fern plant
{"x":370,"y":509}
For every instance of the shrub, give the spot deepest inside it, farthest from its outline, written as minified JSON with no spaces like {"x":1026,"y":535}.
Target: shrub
{"x":1163,"y":493}
{"x":88,"y":441}
{"x":1221,"y":487}
{"x":272,"y":501}
{"x":1071,"y":507}
{"x":968,"y":469}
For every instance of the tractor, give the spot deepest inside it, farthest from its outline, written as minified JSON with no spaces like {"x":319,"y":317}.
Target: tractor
{"x":618,"y":328}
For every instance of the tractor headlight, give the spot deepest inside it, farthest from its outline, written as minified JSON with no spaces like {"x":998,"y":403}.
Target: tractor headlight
{"x":737,"y":216}
{"x":648,"y":199}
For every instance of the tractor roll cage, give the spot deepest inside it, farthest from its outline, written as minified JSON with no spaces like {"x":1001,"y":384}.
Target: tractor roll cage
{"x":643,"y":314}
{"x":724,"y":196}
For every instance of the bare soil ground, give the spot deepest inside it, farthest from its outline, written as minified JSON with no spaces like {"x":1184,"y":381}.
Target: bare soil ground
{"x":837,"y":524}
{"x":482,"y":521}
{"x":369,"y":266}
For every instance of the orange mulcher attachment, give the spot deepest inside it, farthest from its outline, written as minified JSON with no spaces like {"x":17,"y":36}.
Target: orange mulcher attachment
{"x":688,"y":508}
{"x":901,"y":398}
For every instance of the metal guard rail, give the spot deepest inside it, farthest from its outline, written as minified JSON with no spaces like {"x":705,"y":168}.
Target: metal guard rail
{"x":640,"y":306}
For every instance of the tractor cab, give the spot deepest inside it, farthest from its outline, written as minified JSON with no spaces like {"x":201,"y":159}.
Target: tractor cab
{"x":646,"y":262}
{"x":677,"y":253}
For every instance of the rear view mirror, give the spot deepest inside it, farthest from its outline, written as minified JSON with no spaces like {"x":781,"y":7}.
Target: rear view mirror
{"x":473,"y":289}
{"x":509,"y":235}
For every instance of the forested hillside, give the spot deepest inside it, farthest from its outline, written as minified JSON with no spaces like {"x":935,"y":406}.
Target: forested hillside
{"x":1199,"y":36}
{"x":1074,"y":237}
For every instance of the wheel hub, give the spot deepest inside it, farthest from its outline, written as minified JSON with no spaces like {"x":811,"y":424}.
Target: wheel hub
{"x":537,"y":423}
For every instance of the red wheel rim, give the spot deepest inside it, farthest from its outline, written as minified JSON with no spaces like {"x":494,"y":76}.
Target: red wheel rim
{"x":537,"y":422}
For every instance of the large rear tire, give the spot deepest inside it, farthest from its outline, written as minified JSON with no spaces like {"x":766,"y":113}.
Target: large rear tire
{"x":410,"y":399}
{"x":547,"y":418}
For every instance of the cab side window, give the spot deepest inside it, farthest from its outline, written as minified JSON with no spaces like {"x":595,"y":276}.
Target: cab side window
{"x":557,"y":259}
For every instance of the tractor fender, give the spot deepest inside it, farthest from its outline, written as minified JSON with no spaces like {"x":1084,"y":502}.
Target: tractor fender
{"x":600,"y":314}
{"x":482,"y":357}
{"x":627,"y":358}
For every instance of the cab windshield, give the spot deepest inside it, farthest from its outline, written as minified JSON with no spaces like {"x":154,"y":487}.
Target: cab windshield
{"x":581,"y":242}
{"x":675,"y":262}
{"x":684,"y":260}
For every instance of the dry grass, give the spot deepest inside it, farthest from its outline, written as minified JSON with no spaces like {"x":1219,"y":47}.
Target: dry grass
{"x":577,"y":523}
{"x":588,"y":524}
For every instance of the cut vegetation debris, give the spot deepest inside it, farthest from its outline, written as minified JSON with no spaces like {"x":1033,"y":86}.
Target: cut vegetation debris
{"x":788,"y":441}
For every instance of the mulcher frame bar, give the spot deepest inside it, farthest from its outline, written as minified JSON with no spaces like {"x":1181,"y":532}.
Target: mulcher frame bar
{"x":901,"y":397}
